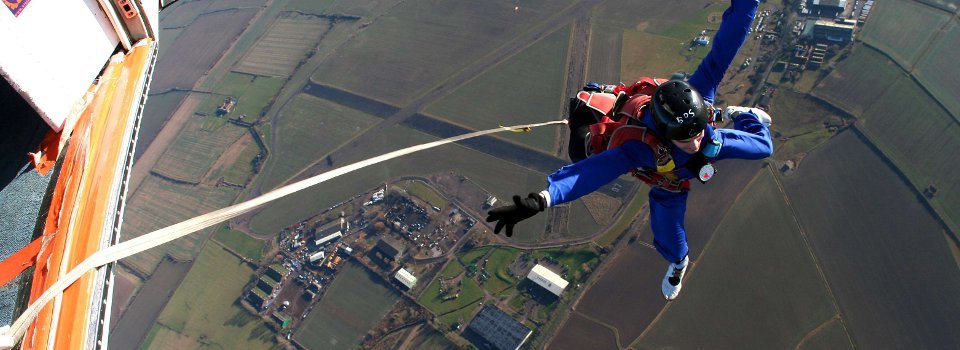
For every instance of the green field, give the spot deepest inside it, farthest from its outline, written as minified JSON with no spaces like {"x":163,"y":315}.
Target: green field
{"x":579,"y":261}
{"x":527,"y":88}
{"x":487,"y":171}
{"x":419,"y":62}
{"x":455,"y":310}
{"x":252,"y":94}
{"x":497,"y":266}
{"x":203,"y":312}
{"x":307,"y":129}
{"x":352,"y":305}
{"x":902,"y":28}
{"x":938,"y":72}
{"x":924,"y":149}
{"x":423,"y":191}
{"x":759,"y":265}
{"x":240,"y":242}
{"x":859,"y":80}
{"x":237,"y":167}
{"x":646,"y":54}
{"x":280,"y":50}
{"x":158,"y":203}
{"x":193,"y":152}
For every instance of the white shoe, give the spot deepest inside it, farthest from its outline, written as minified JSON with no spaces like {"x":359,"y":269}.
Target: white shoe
{"x":672,"y":280}
{"x":732,"y":111}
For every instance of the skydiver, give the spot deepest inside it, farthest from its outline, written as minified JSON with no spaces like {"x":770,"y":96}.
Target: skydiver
{"x":681,"y":112}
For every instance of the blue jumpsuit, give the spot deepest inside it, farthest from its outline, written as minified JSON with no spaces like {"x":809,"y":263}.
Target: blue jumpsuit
{"x":749,"y":139}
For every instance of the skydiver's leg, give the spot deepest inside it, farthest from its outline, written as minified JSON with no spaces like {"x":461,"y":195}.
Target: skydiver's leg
{"x":666,"y":219}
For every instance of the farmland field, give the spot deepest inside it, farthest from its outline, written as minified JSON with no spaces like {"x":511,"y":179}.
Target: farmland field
{"x":128,"y":330}
{"x":876,"y":249}
{"x":648,"y":16}
{"x":924,"y":149}
{"x":831,"y":336}
{"x":902,"y":29}
{"x":938,"y":71}
{"x":161,"y":107}
{"x":236,"y":164}
{"x":483,"y":169}
{"x":419,"y":62}
{"x":646,"y":54}
{"x":158,"y":203}
{"x":204,"y":310}
{"x":800,"y":123}
{"x":310,"y":6}
{"x":425,"y":192}
{"x":195,"y":150}
{"x":283,"y":46}
{"x":307,"y":129}
{"x":527,"y":88}
{"x":605,"y":52}
{"x":182,"y":13}
{"x":240,"y":242}
{"x":198,"y":48}
{"x":353,"y":304}
{"x":633,"y":280}
{"x":251,"y":94}
{"x":859,"y":80}
{"x":582,"y":333}
{"x":759,"y":266}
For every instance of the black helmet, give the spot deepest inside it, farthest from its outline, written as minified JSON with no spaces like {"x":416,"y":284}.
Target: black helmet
{"x":678,"y":110}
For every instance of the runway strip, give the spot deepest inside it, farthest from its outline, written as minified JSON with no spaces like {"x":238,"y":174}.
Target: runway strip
{"x":9,"y":337}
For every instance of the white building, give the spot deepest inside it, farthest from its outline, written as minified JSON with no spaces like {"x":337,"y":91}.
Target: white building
{"x":333,"y":236}
{"x":316,"y":256}
{"x":547,"y":279}
{"x":406,"y":278}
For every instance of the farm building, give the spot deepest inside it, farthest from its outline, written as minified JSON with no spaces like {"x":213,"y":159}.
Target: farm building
{"x":389,"y":248}
{"x":497,"y":330}
{"x":406,"y":278}
{"x":316,"y":257}
{"x":547,"y":279}
{"x":267,"y":284}
{"x":258,"y":298}
{"x":827,"y":8}
{"x":328,"y":238}
{"x":832,"y":31}
{"x":277,"y":271}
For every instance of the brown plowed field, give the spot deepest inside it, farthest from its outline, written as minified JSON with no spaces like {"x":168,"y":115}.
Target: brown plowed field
{"x":582,"y":333}
{"x":633,"y":281}
{"x":881,"y":250}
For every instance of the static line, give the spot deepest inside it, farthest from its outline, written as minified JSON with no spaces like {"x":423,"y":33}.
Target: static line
{"x":11,"y":336}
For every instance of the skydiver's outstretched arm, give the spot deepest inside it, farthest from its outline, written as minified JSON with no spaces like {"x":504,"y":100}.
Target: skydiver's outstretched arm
{"x":733,"y":31}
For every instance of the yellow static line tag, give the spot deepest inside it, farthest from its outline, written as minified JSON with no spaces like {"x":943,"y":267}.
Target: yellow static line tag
{"x":526,"y":129}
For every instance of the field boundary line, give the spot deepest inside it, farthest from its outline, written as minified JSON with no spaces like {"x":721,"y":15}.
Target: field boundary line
{"x":616,"y":332}
{"x":816,"y":330}
{"x":813,"y":255}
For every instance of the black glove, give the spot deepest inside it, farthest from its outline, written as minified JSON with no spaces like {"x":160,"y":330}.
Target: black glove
{"x":510,"y":215}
